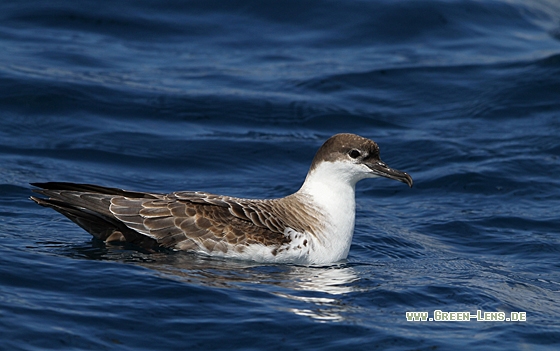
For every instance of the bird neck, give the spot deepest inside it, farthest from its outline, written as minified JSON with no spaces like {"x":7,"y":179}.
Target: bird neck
{"x":334,"y":196}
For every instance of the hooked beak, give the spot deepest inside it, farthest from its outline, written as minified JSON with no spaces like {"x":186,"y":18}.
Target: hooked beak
{"x":381,"y":169}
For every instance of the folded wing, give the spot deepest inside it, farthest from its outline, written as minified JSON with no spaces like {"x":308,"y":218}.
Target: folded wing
{"x":185,"y":220}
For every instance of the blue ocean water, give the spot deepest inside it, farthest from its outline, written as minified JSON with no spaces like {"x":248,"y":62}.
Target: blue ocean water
{"x":235,"y":97}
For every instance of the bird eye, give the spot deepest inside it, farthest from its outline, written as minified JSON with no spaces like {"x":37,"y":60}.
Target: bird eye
{"x":354,"y":153}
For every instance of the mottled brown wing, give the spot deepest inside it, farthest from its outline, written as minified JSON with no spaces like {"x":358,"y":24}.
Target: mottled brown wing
{"x":261,"y":213}
{"x":197,"y":221}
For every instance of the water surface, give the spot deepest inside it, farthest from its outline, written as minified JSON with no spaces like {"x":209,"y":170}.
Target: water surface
{"x":235,"y":97}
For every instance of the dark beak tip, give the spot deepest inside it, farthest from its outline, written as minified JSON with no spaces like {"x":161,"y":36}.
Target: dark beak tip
{"x":382,"y":170}
{"x":409,"y":180}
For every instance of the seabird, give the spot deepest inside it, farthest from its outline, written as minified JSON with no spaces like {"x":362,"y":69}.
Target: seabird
{"x":312,"y":226}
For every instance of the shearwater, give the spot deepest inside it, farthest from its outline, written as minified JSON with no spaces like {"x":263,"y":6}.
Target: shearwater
{"x":312,"y":226}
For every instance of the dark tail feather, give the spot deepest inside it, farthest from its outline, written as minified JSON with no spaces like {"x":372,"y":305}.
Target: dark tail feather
{"x":94,"y":223}
{"x":93,"y":217}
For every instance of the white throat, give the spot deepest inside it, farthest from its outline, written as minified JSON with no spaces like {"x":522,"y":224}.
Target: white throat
{"x":331,"y":188}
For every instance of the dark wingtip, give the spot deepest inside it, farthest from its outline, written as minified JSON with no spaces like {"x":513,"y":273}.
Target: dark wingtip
{"x":59,"y":185}
{"x":88,"y":188}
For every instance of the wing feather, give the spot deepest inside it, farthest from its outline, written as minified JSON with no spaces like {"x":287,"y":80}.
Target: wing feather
{"x":184,"y":220}
{"x":198,"y":221}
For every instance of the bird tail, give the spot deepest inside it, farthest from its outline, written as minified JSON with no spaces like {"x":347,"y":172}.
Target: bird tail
{"x":88,"y":206}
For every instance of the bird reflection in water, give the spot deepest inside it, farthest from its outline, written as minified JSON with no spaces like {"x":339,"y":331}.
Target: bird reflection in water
{"x":311,"y":291}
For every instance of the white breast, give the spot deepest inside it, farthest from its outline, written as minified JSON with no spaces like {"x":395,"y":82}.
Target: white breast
{"x":334,"y":196}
